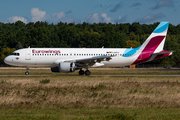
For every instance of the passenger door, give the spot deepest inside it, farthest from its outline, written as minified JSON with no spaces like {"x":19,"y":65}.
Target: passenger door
{"x":28,"y":55}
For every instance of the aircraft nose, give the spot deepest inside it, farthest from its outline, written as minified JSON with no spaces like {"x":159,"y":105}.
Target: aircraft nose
{"x":7,"y":60}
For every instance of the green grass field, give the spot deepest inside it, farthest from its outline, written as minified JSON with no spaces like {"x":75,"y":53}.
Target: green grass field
{"x":94,"y":71}
{"x":90,"y":97}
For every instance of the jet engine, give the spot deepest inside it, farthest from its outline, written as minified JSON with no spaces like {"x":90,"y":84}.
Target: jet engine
{"x":64,"y":67}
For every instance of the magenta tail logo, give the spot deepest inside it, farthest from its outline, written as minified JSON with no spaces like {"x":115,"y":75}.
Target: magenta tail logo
{"x":154,"y":43}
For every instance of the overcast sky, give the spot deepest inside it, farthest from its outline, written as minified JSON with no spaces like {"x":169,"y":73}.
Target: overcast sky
{"x":92,"y":11}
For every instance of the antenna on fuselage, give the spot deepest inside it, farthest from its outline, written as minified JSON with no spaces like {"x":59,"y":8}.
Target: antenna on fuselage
{"x":29,"y":47}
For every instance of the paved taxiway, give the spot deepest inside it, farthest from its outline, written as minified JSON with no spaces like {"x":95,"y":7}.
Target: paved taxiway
{"x":78,"y":75}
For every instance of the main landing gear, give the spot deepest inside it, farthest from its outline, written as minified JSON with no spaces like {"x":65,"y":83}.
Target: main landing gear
{"x":87,"y":72}
{"x":27,"y":71}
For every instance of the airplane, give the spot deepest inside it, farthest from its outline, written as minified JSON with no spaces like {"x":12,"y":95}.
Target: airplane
{"x":70,"y":59}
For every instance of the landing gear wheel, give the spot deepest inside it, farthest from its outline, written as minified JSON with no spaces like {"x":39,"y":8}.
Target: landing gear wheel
{"x":26,"y":73}
{"x":81,"y":72}
{"x":87,"y":72}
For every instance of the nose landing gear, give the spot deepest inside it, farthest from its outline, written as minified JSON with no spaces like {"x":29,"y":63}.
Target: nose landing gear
{"x":27,"y":71}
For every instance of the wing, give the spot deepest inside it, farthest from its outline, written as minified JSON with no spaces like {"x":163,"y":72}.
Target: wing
{"x":90,"y":61}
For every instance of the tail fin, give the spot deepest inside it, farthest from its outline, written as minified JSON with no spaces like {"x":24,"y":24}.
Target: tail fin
{"x":153,"y":44}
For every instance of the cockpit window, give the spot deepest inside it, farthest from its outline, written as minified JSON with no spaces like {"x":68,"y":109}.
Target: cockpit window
{"x":15,"y":54}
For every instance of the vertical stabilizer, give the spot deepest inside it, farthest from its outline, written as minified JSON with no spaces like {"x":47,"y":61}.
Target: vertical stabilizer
{"x":153,"y":44}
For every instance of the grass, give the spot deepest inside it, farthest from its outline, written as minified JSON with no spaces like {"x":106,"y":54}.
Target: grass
{"x":94,"y":71}
{"x":45,"y":81}
{"x":90,"y":114}
{"x":89,"y":97}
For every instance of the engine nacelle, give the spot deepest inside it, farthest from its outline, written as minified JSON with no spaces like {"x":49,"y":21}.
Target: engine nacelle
{"x":64,"y":67}
{"x":55,"y":69}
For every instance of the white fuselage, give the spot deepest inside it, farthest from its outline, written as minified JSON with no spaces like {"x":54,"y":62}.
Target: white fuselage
{"x":47,"y":57}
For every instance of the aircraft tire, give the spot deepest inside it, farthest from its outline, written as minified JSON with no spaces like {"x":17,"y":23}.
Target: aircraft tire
{"x":81,"y":72}
{"x":87,"y":72}
{"x":26,"y":73}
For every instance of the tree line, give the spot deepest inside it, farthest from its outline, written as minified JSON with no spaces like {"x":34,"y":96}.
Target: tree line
{"x":42,"y":34}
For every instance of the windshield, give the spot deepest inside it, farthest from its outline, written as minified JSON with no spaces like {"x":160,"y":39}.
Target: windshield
{"x":15,"y":54}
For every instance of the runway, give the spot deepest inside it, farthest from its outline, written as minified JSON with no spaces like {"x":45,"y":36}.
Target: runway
{"x":173,"y":75}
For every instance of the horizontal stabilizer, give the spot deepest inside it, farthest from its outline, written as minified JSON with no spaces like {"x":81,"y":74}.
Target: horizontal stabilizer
{"x":162,"y":52}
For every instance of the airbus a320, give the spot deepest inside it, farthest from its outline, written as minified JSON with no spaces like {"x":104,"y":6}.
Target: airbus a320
{"x":71,"y":59}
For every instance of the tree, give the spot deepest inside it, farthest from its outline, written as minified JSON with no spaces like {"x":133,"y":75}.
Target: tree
{"x":132,"y":43}
{"x":5,"y":52}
